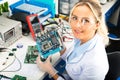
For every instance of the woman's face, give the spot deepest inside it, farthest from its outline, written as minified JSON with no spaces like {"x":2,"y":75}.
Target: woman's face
{"x":83,"y":23}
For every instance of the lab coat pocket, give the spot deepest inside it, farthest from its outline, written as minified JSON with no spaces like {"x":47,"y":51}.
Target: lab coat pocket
{"x":74,"y":70}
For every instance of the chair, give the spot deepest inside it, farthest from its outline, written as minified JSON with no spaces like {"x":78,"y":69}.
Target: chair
{"x":114,"y":66}
{"x":114,"y":30}
{"x":112,"y":17}
{"x":114,"y":33}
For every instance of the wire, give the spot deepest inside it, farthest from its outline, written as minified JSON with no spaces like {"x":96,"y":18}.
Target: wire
{"x":62,"y":26}
{"x":9,"y":50}
{"x":2,"y":77}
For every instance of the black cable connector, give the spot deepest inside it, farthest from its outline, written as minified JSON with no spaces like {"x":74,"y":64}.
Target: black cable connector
{"x":2,"y":49}
{"x":3,"y":76}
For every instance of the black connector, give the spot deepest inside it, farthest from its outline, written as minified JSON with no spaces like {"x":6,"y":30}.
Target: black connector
{"x":2,"y":49}
{"x":42,"y":59}
{"x":3,"y":76}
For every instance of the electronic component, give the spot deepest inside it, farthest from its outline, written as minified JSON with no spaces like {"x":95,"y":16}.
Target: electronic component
{"x":31,"y":55}
{"x":6,"y":58}
{"x":10,"y":31}
{"x":65,"y":6}
{"x":34,"y":24}
{"x":2,"y":49}
{"x":19,"y":77}
{"x":48,"y":42}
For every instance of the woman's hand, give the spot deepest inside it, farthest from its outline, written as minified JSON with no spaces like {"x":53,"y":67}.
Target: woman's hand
{"x":46,"y":66}
{"x":62,"y":51}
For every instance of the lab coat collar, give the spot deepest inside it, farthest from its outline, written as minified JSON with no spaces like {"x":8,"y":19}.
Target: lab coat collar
{"x":79,"y":51}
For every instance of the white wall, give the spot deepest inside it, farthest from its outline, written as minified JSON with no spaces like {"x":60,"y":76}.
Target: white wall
{"x":9,"y":1}
{"x":12,"y":1}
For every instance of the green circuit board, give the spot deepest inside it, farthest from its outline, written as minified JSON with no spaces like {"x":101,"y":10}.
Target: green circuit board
{"x":31,"y":55}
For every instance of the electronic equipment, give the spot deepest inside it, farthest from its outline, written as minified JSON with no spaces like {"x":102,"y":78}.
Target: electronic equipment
{"x":21,"y":16}
{"x":34,"y":24}
{"x":6,"y":58}
{"x":31,"y":55}
{"x":10,"y":31}
{"x":65,"y":6}
{"x":48,"y":42}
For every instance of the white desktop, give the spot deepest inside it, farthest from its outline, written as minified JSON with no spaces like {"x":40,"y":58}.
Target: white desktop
{"x":30,"y":71}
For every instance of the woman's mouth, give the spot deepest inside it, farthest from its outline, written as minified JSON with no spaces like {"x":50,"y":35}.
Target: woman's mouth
{"x":78,"y":31}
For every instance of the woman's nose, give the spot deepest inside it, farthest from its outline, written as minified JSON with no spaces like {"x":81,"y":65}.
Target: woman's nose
{"x":78,"y":24}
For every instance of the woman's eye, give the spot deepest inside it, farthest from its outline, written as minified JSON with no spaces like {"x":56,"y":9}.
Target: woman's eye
{"x":85,"y":21}
{"x":74,"y":18}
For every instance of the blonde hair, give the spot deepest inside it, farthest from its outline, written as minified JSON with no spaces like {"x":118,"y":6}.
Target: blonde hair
{"x":97,"y":11}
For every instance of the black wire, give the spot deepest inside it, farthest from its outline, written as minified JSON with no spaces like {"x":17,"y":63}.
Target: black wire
{"x":59,"y":26}
{"x":9,"y":50}
{"x":3,"y":76}
{"x":2,"y":49}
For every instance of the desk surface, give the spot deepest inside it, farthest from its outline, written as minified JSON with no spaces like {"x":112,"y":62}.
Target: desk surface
{"x":31,"y":71}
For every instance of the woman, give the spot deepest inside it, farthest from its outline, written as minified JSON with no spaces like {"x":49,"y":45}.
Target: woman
{"x":86,"y":59}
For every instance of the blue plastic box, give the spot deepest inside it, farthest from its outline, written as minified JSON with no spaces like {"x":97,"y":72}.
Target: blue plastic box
{"x":46,"y":4}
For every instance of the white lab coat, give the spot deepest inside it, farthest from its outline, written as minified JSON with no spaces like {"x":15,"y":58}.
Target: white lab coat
{"x":89,"y":62}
